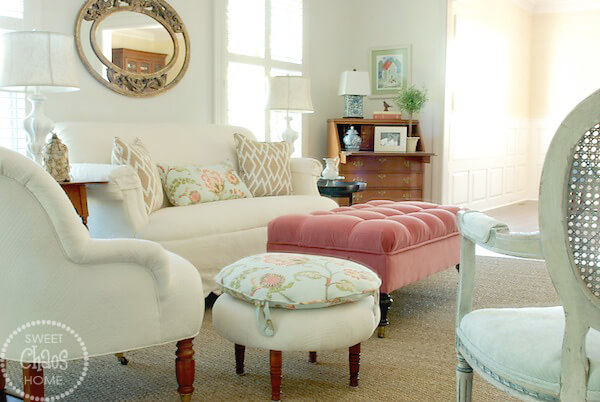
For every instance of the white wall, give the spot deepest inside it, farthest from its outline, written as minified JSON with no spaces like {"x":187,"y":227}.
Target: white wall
{"x":564,"y":71}
{"x":327,"y":51}
{"x":488,"y":109}
{"x":339,"y":34}
{"x":422,"y":24}
{"x":191,"y":101}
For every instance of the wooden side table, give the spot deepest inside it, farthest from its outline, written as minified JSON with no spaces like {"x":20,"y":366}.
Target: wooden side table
{"x":77,"y":193}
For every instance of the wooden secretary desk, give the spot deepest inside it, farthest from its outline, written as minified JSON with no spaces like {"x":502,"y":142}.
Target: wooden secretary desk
{"x":396,"y":176}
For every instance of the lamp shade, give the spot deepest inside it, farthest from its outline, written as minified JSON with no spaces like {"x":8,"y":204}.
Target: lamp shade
{"x":355,"y":83}
{"x":30,"y":59}
{"x":290,"y":93}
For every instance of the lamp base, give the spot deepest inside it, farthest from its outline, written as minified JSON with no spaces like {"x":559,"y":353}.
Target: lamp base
{"x":38,"y":126}
{"x":289,"y":135}
{"x":353,"y":106}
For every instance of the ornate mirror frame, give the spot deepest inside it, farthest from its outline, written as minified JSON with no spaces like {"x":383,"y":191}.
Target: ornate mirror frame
{"x":120,"y":80}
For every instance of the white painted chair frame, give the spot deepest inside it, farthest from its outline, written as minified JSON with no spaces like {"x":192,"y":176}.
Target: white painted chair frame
{"x":552,"y":243}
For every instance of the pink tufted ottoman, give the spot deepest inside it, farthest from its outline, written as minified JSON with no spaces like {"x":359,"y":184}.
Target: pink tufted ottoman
{"x":401,"y":241}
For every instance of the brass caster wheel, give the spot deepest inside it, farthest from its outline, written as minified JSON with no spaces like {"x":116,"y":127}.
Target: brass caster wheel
{"x":381,"y":332}
{"x":122,"y":359}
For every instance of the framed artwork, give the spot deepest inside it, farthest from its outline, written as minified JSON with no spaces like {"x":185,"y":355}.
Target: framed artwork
{"x":390,"y":139}
{"x":390,"y":70}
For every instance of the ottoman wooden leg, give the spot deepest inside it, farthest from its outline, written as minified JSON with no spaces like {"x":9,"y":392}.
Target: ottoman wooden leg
{"x":354,"y":358}
{"x":185,"y":369}
{"x":312,"y":357}
{"x":239,"y":359}
{"x":385,"y":302}
{"x":458,"y":267}
{"x":275,"y":356}
{"x":33,"y":382}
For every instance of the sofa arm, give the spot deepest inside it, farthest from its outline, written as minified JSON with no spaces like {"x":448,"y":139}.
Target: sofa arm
{"x":305,"y":173}
{"x":117,"y":209}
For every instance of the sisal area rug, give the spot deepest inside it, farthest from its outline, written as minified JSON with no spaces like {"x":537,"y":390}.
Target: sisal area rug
{"x":414,"y":363}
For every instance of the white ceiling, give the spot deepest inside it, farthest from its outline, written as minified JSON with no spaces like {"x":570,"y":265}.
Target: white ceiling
{"x":558,"y":6}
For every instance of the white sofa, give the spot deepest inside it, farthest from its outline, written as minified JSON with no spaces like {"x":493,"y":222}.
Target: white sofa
{"x":209,"y":235}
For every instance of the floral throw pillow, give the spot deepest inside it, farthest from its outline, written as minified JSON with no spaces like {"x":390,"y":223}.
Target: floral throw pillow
{"x":189,"y":185}
{"x":296,"y":281}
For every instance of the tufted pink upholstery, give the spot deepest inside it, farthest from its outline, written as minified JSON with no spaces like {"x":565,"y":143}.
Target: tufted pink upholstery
{"x":401,"y":241}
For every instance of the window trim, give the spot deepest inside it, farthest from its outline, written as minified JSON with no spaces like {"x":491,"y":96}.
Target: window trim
{"x":222,"y":57}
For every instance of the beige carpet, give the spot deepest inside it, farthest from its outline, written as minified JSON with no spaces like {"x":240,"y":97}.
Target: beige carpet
{"x":414,"y":363}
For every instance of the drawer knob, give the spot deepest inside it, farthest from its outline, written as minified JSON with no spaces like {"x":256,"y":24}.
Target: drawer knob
{"x":407,"y":164}
{"x":406,"y":180}
{"x":381,"y":192}
{"x":382,"y":176}
{"x":357,"y":163}
{"x":382,"y":160}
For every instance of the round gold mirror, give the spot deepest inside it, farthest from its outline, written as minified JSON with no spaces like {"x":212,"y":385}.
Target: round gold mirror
{"x":134,"y":47}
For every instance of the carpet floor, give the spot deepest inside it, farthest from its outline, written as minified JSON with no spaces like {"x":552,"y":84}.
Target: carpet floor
{"x":414,"y":363}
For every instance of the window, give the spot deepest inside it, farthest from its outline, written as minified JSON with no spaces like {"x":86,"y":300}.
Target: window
{"x":12,"y":105}
{"x":260,"y":39}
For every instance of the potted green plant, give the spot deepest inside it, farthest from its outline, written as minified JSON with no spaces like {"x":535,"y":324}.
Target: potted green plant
{"x":411,"y":100}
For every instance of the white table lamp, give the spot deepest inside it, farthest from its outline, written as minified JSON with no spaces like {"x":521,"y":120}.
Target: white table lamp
{"x":37,"y":63}
{"x":290,"y":94}
{"x":354,"y":85}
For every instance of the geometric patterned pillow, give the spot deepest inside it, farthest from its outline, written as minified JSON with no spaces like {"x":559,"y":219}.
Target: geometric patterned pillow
{"x":189,"y":185}
{"x":137,"y":156}
{"x":264,"y":166}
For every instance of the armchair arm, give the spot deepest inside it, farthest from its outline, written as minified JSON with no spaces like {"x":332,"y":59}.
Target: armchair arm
{"x":494,"y":235}
{"x":478,"y":228}
{"x":305,"y":173}
{"x":141,"y":252}
{"x":118,"y":205}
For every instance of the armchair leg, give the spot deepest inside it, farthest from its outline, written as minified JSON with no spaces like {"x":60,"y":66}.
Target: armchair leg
{"x":2,"y":376}
{"x":185,"y":369}
{"x":464,"y":380}
{"x":275,"y":360}
{"x":354,"y":358}
{"x":312,"y":357}
{"x":385,"y":302}
{"x":239,"y":359}
{"x":33,"y":382}
{"x":457,"y":267}
{"x":122,"y":359}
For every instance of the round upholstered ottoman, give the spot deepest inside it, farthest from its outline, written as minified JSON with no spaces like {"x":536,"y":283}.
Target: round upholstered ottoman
{"x":296,"y":302}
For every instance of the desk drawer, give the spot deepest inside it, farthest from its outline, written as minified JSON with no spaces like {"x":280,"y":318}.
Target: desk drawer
{"x":388,"y":180}
{"x":382,"y":163}
{"x":387,"y":194}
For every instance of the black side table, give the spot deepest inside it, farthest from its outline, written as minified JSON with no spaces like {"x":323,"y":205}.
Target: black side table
{"x":340,"y":189}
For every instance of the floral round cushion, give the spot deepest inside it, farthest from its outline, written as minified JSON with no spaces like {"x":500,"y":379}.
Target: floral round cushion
{"x":296,"y":281}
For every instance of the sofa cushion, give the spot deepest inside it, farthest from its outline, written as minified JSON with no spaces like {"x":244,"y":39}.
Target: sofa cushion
{"x":264,"y":166}
{"x":188,"y":185}
{"x":137,"y":156}
{"x":525,"y":345}
{"x":213,"y":218}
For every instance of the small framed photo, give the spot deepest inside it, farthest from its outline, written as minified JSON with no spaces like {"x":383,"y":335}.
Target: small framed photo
{"x":390,"y":70}
{"x":390,"y":139}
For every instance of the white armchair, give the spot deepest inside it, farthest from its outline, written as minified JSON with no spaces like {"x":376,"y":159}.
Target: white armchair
{"x":118,"y":295}
{"x":542,"y":353}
